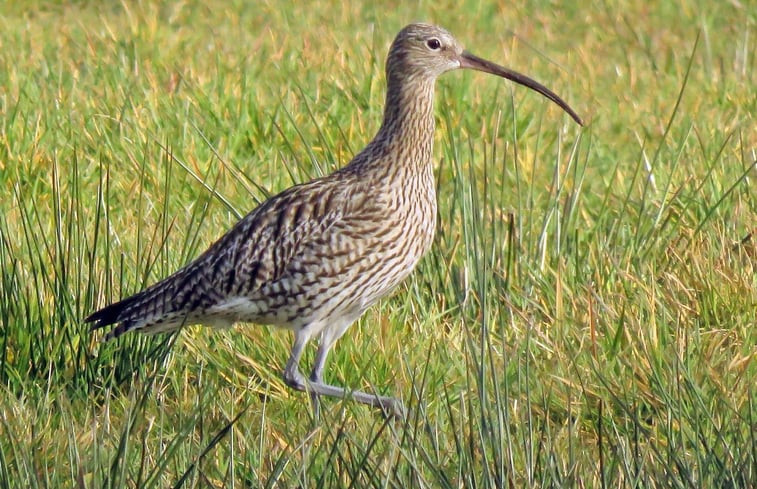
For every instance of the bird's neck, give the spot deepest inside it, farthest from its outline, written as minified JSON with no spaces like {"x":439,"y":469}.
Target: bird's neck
{"x":409,"y":118}
{"x":404,"y":143}
{"x":409,"y":105}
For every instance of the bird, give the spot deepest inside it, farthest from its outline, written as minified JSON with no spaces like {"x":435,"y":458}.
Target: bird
{"x":314,"y":257}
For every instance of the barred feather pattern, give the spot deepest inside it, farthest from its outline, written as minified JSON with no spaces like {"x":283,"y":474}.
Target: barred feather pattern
{"x":314,"y":257}
{"x":328,"y":248}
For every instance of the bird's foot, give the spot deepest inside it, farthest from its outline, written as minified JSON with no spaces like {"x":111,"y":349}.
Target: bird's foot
{"x":390,"y":407}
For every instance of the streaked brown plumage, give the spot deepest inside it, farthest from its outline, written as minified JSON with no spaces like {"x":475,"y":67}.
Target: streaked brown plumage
{"x":314,"y":257}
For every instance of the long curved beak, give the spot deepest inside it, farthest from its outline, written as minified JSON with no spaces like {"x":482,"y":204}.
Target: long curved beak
{"x":473,"y":62}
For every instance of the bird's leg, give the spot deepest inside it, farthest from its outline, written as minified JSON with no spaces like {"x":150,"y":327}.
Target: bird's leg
{"x":316,"y":376}
{"x":292,"y":375}
{"x":316,"y":387}
{"x":389,"y":405}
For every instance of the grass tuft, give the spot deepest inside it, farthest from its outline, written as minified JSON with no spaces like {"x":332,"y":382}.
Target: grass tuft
{"x":585,"y":319}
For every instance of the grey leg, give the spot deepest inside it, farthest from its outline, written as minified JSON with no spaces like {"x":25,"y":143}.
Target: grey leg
{"x":329,"y":336}
{"x":389,"y":405}
{"x":292,"y":375}
{"x":316,"y":387}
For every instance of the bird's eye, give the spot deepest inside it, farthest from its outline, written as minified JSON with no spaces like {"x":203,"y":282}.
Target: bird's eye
{"x":433,"y":44}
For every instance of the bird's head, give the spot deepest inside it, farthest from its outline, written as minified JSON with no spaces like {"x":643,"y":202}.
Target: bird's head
{"x":424,"y":51}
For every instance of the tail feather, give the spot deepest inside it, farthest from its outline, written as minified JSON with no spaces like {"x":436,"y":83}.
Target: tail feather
{"x":139,"y":311}
{"x":164,"y":306}
{"x":108,"y":315}
{"x":116,"y":313}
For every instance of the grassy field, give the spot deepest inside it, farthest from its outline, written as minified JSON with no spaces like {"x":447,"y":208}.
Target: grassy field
{"x":586,"y":317}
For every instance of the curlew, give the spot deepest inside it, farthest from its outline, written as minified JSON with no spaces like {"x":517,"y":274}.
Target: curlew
{"x":314,"y":257}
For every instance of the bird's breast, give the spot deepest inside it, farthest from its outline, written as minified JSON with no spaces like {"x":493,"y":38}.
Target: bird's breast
{"x":403,"y":232}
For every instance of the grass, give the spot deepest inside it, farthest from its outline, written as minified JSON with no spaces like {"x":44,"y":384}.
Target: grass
{"x":586,"y":317}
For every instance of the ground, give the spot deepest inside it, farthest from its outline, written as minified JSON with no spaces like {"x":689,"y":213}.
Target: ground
{"x":585,"y":318}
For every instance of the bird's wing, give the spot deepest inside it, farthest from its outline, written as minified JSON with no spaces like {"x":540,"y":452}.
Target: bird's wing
{"x":256,"y":251}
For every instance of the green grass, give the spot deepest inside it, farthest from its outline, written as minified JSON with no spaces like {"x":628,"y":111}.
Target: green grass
{"x":586,"y":317}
